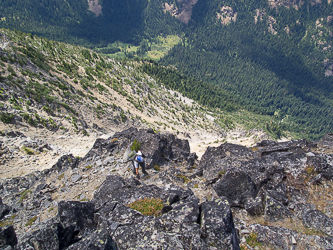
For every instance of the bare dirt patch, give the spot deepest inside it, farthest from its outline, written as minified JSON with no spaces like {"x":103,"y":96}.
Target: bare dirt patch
{"x":95,"y":7}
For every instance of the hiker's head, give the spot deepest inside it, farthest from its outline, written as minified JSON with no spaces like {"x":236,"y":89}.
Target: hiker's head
{"x":139,"y":153}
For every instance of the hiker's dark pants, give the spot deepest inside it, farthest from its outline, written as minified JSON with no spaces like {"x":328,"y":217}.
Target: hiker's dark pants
{"x":142,"y":165}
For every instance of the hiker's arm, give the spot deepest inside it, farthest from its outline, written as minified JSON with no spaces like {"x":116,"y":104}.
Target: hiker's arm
{"x":131,"y":159}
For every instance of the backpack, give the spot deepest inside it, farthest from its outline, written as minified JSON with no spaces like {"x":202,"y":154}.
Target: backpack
{"x":139,"y":158}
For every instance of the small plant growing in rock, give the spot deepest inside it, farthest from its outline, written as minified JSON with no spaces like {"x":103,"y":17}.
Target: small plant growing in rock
{"x":156,"y":167}
{"x":252,"y":241}
{"x":85,"y":133}
{"x":186,"y":180}
{"x":24,"y":195}
{"x":147,"y":206}
{"x":136,"y":145}
{"x":61,"y":176}
{"x":28,"y":151}
{"x":31,"y":221}
{"x":221,"y":173}
{"x":6,"y":222}
{"x":309,"y":169}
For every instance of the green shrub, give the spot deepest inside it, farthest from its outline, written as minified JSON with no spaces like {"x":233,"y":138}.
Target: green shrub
{"x":135,"y":145}
{"x":6,"y":117}
{"x":69,"y":108}
{"x":123,"y":116}
{"x":86,"y":54}
{"x":48,"y":110}
{"x":222,"y":172}
{"x":29,"y":151}
{"x":147,"y":206}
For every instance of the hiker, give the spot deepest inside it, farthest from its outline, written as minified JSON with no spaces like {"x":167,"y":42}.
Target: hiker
{"x":138,"y":160}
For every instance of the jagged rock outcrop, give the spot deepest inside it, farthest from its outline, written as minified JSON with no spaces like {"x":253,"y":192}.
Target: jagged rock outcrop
{"x":271,"y":180}
{"x":158,"y":148}
{"x":273,"y":183}
{"x":108,"y":223}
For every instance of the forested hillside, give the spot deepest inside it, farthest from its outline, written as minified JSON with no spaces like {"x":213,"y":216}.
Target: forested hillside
{"x":275,"y":61}
{"x":270,"y":57}
{"x":75,"y":22}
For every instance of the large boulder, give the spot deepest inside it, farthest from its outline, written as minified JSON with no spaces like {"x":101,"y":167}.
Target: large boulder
{"x":270,"y":237}
{"x":7,"y":236}
{"x":159,"y":148}
{"x":275,"y":210}
{"x":65,"y":162}
{"x":179,"y":226}
{"x":104,"y":193}
{"x":45,"y":238}
{"x":319,"y":221}
{"x":217,"y":226}
{"x":237,"y":187}
{"x":77,"y":214}
{"x":98,"y":240}
{"x":220,"y":159}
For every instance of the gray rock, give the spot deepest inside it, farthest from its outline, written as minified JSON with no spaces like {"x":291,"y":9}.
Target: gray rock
{"x":97,"y":240}
{"x":7,"y":236}
{"x":4,"y":209}
{"x":256,"y":206}
{"x":65,"y":162}
{"x":222,"y":158}
{"x":284,"y":239}
{"x":76,"y":178}
{"x":108,"y":160}
{"x":237,"y":187}
{"x":79,"y":214}
{"x":275,"y":211}
{"x":217,"y":226}
{"x":44,"y":239}
{"x":318,"y":221}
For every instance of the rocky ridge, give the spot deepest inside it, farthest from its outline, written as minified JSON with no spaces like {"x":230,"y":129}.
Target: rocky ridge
{"x":273,"y":195}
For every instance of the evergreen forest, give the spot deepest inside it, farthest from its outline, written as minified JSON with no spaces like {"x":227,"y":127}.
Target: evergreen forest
{"x":271,"y":60}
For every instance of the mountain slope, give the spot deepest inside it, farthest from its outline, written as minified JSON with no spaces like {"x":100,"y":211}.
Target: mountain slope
{"x":277,"y":59}
{"x":68,"y":95}
{"x":273,"y":57}
{"x":89,"y":22}
{"x":69,"y":120}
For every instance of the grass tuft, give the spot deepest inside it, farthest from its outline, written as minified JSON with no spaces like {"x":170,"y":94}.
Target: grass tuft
{"x":147,"y":206}
{"x":186,"y":180}
{"x":31,"y":221}
{"x":24,"y":195}
{"x":252,"y":241}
